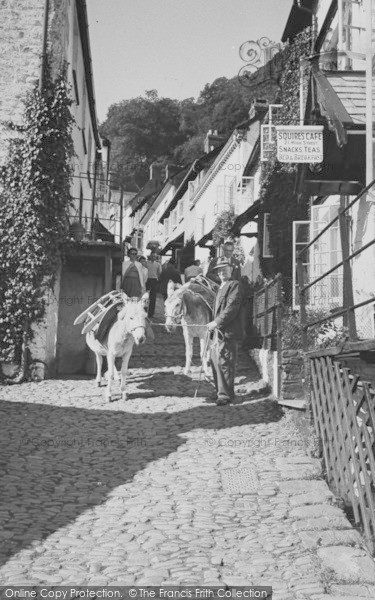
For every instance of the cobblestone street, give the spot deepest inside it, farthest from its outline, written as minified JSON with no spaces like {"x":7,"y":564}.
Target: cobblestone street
{"x":144,"y":491}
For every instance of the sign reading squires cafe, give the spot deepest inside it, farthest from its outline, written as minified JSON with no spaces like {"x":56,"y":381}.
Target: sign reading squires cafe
{"x":299,"y":144}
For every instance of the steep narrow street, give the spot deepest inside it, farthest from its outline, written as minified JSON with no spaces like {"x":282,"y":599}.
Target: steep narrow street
{"x":162,"y":489}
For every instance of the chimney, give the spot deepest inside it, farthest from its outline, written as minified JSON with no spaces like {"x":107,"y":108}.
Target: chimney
{"x":213,"y":140}
{"x":156,"y":172}
{"x":258,"y":108}
{"x":171,"y":170}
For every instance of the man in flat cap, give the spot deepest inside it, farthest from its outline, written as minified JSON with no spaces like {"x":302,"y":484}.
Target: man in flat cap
{"x":228,"y":250}
{"x":227,"y":329}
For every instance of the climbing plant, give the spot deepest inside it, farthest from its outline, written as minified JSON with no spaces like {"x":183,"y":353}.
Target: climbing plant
{"x":277,"y":193}
{"x":34,"y":208}
{"x":222,"y":232}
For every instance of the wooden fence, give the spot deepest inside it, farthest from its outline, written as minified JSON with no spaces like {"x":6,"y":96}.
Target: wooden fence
{"x":343,"y":400}
{"x":344,"y":414}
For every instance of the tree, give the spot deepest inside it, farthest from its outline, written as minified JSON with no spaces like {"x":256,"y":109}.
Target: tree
{"x":141,"y":130}
{"x":149,"y":128}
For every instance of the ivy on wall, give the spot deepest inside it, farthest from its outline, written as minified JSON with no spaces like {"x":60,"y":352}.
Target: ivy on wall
{"x":34,"y":212}
{"x":277,"y":192}
{"x":222,"y":232}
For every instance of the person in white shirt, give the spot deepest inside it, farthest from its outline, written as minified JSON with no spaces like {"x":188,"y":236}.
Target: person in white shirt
{"x":154,"y":272}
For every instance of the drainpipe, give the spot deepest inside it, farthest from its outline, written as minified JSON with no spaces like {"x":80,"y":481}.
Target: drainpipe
{"x":93,"y":205}
{"x":44,"y":45}
{"x":314,"y":29}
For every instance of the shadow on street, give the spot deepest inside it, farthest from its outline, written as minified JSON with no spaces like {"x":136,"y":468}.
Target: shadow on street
{"x":58,"y":462}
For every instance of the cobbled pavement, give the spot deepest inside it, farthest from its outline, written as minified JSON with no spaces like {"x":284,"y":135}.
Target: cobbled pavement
{"x":122,"y":493}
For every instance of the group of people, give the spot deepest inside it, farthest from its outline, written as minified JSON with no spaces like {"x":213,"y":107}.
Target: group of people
{"x":140,"y":274}
{"x":227,"y":326}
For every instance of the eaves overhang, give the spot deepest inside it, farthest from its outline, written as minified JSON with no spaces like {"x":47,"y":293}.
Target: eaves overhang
{"x":197,"y":166}
{"x":248,"y":215}
{"x":89,"y":78}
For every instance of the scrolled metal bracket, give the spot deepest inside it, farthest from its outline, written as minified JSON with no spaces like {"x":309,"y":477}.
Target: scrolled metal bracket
{"x":255,"y":55}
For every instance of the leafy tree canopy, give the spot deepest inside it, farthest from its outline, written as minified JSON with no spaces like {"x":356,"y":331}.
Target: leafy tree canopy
{"x":149,"y":128}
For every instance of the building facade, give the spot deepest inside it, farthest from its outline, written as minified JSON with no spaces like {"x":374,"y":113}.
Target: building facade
{"x":37,"y":35}
{"x":339,"y":100}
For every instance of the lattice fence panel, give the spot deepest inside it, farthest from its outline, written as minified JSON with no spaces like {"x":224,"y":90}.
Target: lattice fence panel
{"x":344,"y":415}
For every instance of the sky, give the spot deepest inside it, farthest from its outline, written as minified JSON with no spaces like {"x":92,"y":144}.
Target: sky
{"x":173,"y":46}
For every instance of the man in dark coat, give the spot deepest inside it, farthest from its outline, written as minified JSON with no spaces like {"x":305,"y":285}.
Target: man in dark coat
{"x":227,"y":332}
{"x":169,"y":272}
{"x":228,"y":249}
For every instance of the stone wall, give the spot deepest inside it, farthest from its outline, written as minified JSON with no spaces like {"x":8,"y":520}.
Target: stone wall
{"x":293,"y":375}
{"x":266,"y":361}
{"x":21,"y":46}
{"x":21,"y":34}
{"x":58,"y":34}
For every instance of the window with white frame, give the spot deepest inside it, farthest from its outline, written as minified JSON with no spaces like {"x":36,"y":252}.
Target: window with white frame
{"x":266,"y":236}
{"x":347,"y":34}
{"x":301,"y":237}
{"x":326,"y":253}
{"x":166,"y":228}
{"x":245,"y":194}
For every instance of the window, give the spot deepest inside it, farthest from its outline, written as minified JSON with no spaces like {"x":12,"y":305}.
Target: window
{"x":301,"y":237}
{"x":323,"y":255}
{"x":326,"y":253}
{"x":267,"y":141}
{"x":245,"y":194}
{"x":351,"y":31}
{"x":266,"y":236}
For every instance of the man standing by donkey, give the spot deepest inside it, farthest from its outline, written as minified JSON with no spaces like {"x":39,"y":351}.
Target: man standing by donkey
{"x":227,"y":332}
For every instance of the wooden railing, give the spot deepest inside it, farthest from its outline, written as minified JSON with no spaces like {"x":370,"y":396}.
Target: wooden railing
{"x":348,"y":306}
{"x":344,"y":414}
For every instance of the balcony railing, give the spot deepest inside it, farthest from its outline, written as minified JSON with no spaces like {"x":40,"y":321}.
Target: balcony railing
{"x":105,"y":226}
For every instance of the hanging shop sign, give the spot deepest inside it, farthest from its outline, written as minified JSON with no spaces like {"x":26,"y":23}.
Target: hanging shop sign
{"x":299,"y":143}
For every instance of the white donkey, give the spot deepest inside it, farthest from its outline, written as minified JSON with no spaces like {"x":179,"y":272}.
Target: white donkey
{"x":186,"y":305}
{"x":129,"y":327}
